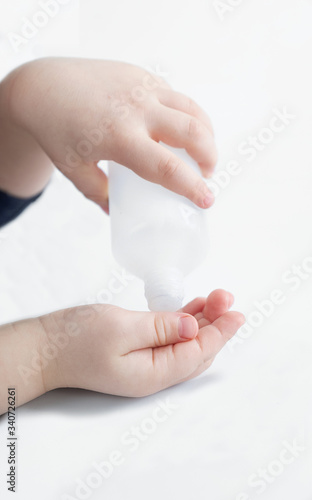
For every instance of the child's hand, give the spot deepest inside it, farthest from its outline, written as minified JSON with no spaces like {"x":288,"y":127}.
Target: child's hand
{"x":111,"y":350}
{"x":83,"y":111}
{"x":128,"y":353}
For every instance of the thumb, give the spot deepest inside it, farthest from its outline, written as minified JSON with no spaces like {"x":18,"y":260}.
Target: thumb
{"x":155,"y":329}
{"x":90,"y":180}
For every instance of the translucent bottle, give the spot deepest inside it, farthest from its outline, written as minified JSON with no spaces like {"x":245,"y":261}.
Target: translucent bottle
{"x":157,"y":235}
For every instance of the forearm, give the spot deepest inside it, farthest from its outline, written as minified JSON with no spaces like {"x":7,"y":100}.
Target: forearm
{"x":21,"y":362}
{"x":24,"y":167}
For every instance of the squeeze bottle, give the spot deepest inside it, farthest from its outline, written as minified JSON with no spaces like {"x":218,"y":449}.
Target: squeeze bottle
{"x":157,"y":235}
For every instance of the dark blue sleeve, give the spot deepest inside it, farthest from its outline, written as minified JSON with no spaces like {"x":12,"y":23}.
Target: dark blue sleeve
{"x":11,"y":206}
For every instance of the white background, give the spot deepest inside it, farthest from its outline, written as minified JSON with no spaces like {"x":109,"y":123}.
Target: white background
{"x":233,"y":420}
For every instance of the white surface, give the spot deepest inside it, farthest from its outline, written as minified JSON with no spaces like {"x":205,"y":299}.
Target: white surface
{"x":233,"y":419}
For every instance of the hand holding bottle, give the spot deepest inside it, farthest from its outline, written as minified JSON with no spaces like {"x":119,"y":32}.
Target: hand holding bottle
{"x":78,"y":111}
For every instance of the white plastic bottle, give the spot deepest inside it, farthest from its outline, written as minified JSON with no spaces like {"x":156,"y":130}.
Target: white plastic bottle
{"x":157,"y":235}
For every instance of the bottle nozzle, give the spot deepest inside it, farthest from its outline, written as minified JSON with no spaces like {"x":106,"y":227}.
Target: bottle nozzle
{"x":164,"y":289}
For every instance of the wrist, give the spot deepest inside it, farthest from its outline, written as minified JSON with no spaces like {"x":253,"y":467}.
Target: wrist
{"x":25,"y":167}
{"x":14,"y":89}
{"x":21,"y":366}
{"x":51,"y":344}
{"x":8,"y":109}
{"x":21,"y":95}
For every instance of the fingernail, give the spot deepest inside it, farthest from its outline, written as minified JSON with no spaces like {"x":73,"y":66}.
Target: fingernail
{"x":207,"y":200}
{"x":207,"y":174}
{"x":186,"y":327}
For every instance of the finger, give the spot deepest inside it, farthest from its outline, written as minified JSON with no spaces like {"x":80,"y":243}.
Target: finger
{"x":181,"y":102}
{"x":181,"y":130}
{"x":157,"y":164}
{"x":195,"y":306}
{"x":171,"y":364}
{"x":159,"y":329}
{"x":206,"y":364}
{"x":217,"y":303}
{"x":180,"y":361}
{"x":214,"y":336}
{"x":202,"y":368}
{"x":90,"y":180}
{"x":208,"y":310}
